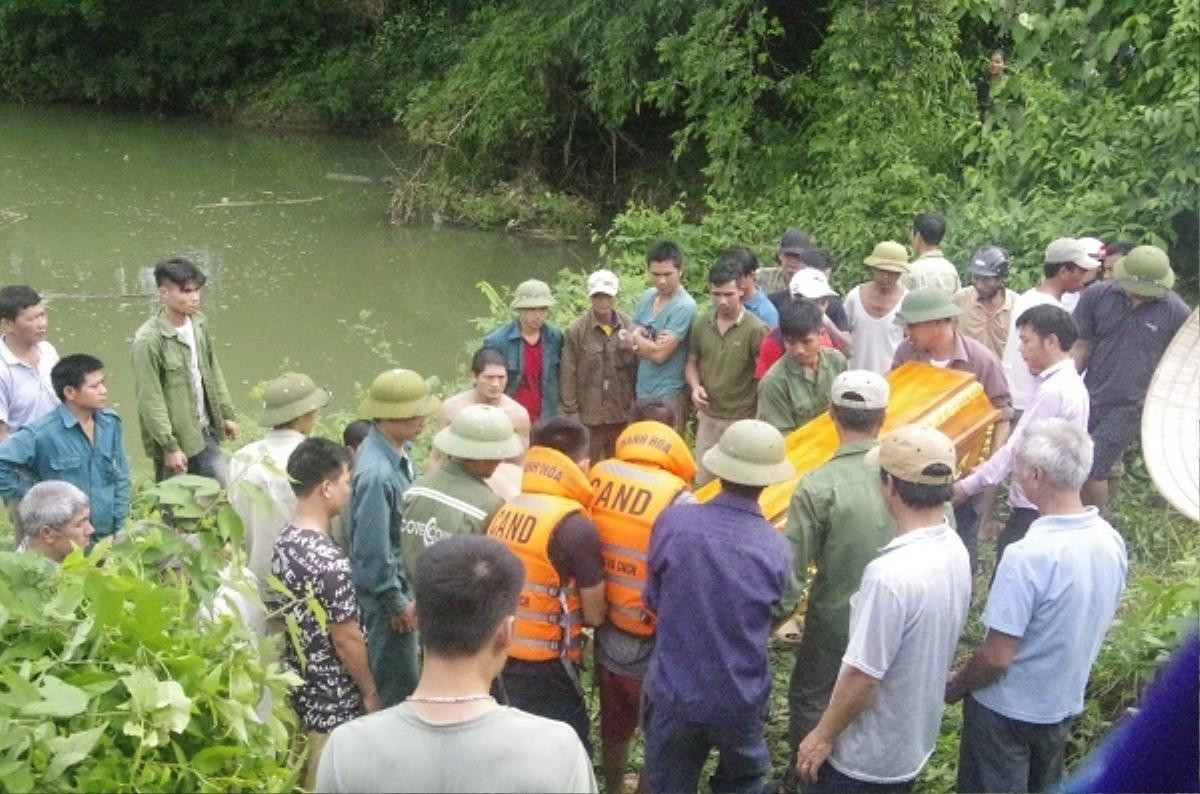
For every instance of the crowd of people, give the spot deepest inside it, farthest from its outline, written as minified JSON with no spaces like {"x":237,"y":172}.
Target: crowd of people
{"x":556,"y":510}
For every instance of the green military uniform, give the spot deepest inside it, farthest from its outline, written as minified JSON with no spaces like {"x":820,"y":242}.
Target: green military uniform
{"x":789,"y":396}
{"x":450,"y":501}
{"x":837,"y":518}
{"x":166,"y":400}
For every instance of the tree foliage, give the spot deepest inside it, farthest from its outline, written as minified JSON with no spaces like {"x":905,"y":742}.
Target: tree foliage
{"x":117,"y":671}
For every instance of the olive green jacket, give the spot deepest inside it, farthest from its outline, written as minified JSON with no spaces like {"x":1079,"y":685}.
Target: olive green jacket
{"x":165,"y":398}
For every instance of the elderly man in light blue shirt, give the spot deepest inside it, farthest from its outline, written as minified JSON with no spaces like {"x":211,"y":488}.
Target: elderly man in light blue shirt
{"x":1054,"y":596}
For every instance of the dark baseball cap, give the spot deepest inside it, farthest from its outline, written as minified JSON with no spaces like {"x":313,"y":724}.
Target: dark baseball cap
{"x":793,"y":241}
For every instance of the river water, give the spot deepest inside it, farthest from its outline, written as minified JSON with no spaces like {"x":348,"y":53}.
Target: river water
{"x":90,"y":200}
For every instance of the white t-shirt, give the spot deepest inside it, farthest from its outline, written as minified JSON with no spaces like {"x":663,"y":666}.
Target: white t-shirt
{"x":503,"y":750}
{"x":875,"y":338}
{"x":187,"y":335}
{"x":1020,"y":381}
{"x":905,"y":621}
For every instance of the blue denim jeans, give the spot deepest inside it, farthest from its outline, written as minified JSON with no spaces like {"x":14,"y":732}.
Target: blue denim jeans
{"x":677,"y":748}
{"x":208,"y":462}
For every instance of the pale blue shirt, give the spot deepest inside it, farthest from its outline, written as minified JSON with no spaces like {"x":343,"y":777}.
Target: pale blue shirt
{"x":1057,"y":589}
{"x":761,"y":307}
{"x":665,"y":379}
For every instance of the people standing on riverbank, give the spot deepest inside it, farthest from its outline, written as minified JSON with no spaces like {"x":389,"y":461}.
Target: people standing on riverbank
{"x":871,"y":309}
{"x":258,"y":485}
{"x":905,"y":620}
{"x":1055,"y":594}
{"x":752,"y":295}
{"x":55,"y":520}
{"x":775,"y":280}
{"x":451,"y":735}
{"x":26,"y":359}
{"x":599,"y":368}
{"x":79,"y":441}
{"x":797,"y":387}
{"x":837,"y":520}
{"x":331,"y":660}
{"x":184,"y":408}
{"x":662,"y":323}
{"x":987,"y":304}
{"x":1125,"y":326}
{"x":397,"y":403}
{"x":717,"y":573}
{"x":722,"y":351}
{"x":930,"y":268}
{"x":456,"y":499}
{"x":549,"y":527}
{"x":1064,"y":266}
{"x":532,"y":348}
{"x":928,"y":316}
{"x":653,"y":464}
{"x":1046,"y":334}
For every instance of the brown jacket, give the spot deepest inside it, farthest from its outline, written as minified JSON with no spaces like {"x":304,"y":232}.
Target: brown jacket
{"x":599,"y":371}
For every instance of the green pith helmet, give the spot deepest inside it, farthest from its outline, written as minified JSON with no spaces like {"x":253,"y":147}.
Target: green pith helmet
{"x":888,"y":255}
{"x":480,"y":432}
{"x":750,"y":452}
{"x":398,"y":394}
{"x":926,"y":304}
{"x":1145,"y":271}
{"x":532,"y":294}
{"x":290,"y":396}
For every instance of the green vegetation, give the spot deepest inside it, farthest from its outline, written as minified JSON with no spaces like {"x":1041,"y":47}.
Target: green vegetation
{"x":120,"y":672}
{"x":738,"y":116}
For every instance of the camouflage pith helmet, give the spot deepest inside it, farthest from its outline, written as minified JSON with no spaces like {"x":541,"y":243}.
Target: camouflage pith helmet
{"x":480,"y":432}
{"x":750,"y":452}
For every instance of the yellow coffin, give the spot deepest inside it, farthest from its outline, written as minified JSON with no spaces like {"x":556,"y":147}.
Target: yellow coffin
{"x":952,"y":401}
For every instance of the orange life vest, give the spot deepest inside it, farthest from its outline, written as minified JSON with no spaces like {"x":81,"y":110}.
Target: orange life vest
{"x":549,"y":620}
{"x":652,"y":466}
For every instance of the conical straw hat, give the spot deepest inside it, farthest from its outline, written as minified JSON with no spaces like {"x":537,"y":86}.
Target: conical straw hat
{"x":1171,"y":421}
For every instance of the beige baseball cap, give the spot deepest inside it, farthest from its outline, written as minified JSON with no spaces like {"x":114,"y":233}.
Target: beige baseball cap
{"x":1068,"y":249}
{"x":909,"y":451}
{"x":860,"y":388}
{"x":603,"y":282}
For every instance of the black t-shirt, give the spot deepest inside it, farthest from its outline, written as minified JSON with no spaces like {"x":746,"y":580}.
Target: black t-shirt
{"x":833,"y":307}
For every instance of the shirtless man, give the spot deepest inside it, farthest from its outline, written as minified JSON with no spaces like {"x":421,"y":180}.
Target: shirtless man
{"x":491,"y":376}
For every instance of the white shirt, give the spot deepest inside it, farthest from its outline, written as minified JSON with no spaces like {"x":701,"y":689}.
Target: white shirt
{"x":875,"y":338}
{"x":905,"y":621}
{"x":187,"y":335}
{"x":263,"y":465}
{"x":1057,"y":589}
{"x":1020,"y":381}
{"x":26,"y":393}
{"x":1058,"y":392}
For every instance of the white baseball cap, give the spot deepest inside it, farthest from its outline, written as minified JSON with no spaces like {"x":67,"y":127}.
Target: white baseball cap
{"x":810,"y":283}
{"x":860,"y":388}
{"x":603,"y":282}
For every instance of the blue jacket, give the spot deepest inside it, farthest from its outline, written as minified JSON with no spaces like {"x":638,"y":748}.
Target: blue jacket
{"x":53,"y":447}
{"x":507,"y":339}
{"x":381,"y":476}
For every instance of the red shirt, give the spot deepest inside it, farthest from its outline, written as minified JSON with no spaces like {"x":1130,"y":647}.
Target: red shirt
{"x":772,"y":350}
{"x":529,"y":392}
